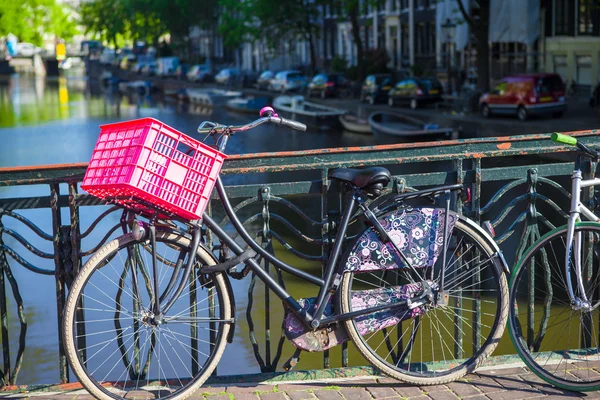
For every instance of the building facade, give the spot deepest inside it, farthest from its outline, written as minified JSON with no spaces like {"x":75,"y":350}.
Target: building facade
{"x":526,"y":35}
{"x":572,"y":40}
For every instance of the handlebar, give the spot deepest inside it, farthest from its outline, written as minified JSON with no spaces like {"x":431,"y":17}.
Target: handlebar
{"x":267,"y":114}
{"x":571,"y":141}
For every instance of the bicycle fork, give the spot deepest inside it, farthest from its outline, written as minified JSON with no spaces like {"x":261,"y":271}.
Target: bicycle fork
{"x":159,"y":304}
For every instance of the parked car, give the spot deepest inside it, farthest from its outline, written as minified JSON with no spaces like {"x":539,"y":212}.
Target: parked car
{"x":525,"y":95}
{"x":142,"y":61}
{"x":264,"y":80}
{"x":329,"y":85}
{"x":150,"y":69}
{"x":108,"y":56}
{"x":227,"y":76}
{"x":375,"y":88}
{"x":287,"y":81}
{"x":415,"y":92}
{"x":199,"y":73}
{"x":167,"y":66}
{"x":127,"y":55}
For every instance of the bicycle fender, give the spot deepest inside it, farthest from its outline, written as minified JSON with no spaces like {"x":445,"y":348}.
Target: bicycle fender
{"x":498,"y":256}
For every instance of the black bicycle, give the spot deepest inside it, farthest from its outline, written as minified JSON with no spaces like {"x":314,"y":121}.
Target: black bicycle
{"x":421,"y":291}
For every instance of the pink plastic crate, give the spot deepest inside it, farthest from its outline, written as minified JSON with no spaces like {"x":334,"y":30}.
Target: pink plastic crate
{"x":146,"y":161}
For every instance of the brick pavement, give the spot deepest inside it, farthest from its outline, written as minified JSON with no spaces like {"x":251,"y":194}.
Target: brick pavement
{"x":491,"y":384}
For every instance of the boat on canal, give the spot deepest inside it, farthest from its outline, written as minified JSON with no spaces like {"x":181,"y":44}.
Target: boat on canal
{"x":142,"y":88}
{"x":352,"y":123}
{"x":210,"y":97}
{"x":400,"y":125}
{"x":247,"y":104}
{"x":314,"y":115}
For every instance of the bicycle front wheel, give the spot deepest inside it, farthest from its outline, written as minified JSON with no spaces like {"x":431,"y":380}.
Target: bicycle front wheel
{"x":114,"y":342}
{"x":558,"y":341}
{"x":439,"y":342}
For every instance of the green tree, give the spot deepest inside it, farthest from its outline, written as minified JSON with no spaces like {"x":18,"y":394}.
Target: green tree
{"x":62,"y":23}
{"x":179,"y":16}
{"x":107,"y":19}
{"x":144,"y":21}
{"x":351,"y":10}
{"x":271,"y":22}
{"x":239,"y":23}
{"x":29,"y":20}
{"x":481,"y":28}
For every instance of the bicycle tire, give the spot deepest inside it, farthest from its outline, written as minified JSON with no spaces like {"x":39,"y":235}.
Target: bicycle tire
{"x":534,"y":346}
{"x":173,"y":379}
{"x":449,"y":370}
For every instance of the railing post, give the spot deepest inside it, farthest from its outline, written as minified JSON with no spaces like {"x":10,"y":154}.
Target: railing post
{"x":326,"y":235}
{"x":476,"y":216}
{"x":59,"y":277}
{"x":265,"y":195}
{"x":6,"y":373}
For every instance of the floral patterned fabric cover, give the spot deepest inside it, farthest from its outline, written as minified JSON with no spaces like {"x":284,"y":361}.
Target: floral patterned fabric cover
{"x":325,"y":338}
{"x":417,"y":232}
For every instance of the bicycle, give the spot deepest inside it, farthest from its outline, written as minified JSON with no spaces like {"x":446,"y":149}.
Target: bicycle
{"x":153,"y":309}
{"x":556,"y":333}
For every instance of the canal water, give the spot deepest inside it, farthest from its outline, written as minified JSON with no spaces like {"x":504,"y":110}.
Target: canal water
{"x":55,"y":121}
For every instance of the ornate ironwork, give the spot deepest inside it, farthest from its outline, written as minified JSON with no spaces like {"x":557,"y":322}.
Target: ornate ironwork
{"x":521,"y":199}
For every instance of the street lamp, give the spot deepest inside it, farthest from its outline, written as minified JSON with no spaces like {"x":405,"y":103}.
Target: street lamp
{"x":448,"y":29}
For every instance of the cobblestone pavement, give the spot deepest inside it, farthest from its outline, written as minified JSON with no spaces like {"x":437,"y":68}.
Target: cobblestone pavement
{"x":493,"y":384}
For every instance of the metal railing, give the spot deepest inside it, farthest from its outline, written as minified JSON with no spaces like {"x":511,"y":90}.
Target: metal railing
{"x":516,"y":184}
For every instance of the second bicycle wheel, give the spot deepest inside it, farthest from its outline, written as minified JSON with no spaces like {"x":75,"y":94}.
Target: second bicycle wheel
{"x":439,"y":343}
{"x":558,"y":341}
{"x":114,"y":342}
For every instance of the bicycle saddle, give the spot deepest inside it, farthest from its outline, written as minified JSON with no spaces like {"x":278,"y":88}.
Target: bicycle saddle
{"x":362,"y":178}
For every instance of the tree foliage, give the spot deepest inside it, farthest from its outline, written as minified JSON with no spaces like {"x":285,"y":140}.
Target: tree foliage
{"x":29,"y":20}
{"x":105,"y":18}
{"x":481,"y":28}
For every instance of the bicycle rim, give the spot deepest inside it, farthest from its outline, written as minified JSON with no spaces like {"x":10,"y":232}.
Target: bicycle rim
{"x":557,"y":342}
{"x":114,"y":345}
{"x":442,"y":343}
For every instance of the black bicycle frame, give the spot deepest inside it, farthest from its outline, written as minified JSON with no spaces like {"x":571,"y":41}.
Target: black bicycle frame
{"x":327,"y":285}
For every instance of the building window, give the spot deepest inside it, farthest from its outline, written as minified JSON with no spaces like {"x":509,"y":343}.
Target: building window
{"x":588,"y":15}
{"x":563,"y":17}
{"x":405,"y":45}
{"x":432,"y":37}
{"x":561,"y":67}
{"x":421,"y":39}
{"x":404,"y":4}
{"x":584,"y":70}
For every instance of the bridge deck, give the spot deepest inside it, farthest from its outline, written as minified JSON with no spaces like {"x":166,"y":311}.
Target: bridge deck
{"x":495,"y":383}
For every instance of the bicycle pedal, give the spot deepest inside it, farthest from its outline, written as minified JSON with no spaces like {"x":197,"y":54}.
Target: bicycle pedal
{"x":290,"y":364}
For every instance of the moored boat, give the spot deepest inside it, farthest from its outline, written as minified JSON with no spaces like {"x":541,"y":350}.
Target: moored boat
{"x":395,"y":124}
{"x":247,"y":104}
{"x":316,"y":116}
{"x":211,"y":97}
{"x":142,"y":88}
{"x":352,"y":123}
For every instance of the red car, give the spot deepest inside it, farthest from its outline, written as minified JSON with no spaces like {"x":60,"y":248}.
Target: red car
{"x":525,"y":95}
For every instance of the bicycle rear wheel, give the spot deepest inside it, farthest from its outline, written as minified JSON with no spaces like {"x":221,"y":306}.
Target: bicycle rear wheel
{"x":558,"y":342}
{"x":441,"y":343}
{"x":113,"y":342}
